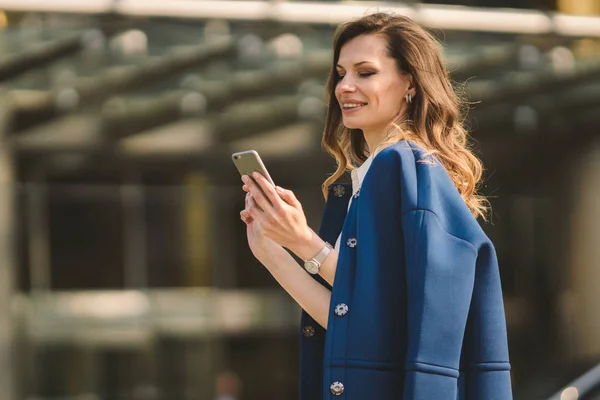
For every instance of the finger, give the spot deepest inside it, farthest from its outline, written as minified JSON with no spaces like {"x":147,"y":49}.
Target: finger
{"x":268,"y":188}
{"x":288,"y":196}
{"x":243,"y":216}
{"x":254,"y":211}
{"x":259,"y":198}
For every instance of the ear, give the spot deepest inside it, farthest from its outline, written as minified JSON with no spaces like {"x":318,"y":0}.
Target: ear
{"x":408,"y":79}
{"x":411,"y":85}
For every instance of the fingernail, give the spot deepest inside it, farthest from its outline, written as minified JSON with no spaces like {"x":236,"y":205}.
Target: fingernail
{"x":255,"y":174}
{"x":279,"y":188}
{"x":244,"y":178}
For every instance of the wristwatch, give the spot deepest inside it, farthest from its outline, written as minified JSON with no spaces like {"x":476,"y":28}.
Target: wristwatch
{"x":314,"y":264}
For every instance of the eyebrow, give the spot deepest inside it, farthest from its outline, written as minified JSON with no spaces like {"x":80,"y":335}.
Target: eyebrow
{"x":358,"y":64}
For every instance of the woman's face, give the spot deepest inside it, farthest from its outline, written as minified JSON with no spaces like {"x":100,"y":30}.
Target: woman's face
{"x":371,"y":89}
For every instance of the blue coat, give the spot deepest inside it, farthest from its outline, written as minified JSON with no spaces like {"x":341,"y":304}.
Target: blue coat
{"x":416,"y":307}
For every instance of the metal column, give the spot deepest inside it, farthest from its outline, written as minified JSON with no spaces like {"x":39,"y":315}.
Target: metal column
{"x":7,"y":259}
{"x":133,"y":200}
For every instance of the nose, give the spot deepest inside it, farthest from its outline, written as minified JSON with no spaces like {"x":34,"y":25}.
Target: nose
{"x":346,"y":88}
{"x":345,"y":85}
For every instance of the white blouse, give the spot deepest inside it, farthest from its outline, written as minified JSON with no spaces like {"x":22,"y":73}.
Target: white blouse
{"x":358,"y":175}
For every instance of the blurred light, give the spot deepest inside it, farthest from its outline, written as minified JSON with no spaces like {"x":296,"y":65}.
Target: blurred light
{"x":562,"y":59}
{"x":530,"y":57}
{"x":287,"y":45}
{"x":131,"y":42}
{"x":216,"y":28}
{"x":307,"y":85}
{"x":576,"y":25}
{"x":221,"y":9}
{"x":31,"y":20}
{"x":94,"y":40}
{"x":524,"y":21}
{"x":569,"y":393}
{"x":526,"y":119}
{"x":106,"y":305}
{"x":331,"y":13}
{"x":193,"y":103}
{"x":311,"y":108}
{"x":250,"y":46}
{"x":81,"y":6}
{"x":586,"y":47}
{"x":311,"y":88}
{"x":190,"y":81}
{"x":432,"y":16}
{"x":115,"y":105}
{"x":67,"y":99}
{"x":64,"y":77}
{"x":186,"y":136}
{"x":3,"y":19}
{"x":286,"y":140}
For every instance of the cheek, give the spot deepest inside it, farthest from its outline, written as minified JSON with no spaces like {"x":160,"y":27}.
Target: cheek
{"x":387,"y":98}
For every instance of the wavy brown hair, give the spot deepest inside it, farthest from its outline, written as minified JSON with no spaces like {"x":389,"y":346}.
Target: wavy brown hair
{"x":434,"y":118}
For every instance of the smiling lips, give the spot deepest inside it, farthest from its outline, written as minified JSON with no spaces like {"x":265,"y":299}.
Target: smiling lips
{"x":352,"y":105}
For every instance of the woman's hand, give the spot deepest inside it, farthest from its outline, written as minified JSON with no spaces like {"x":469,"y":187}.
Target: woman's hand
{"x":279,"y":214}
{"x":261,"y":246}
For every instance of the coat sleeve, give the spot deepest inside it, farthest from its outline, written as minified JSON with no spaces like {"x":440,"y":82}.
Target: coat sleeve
{"x":440,"y":273}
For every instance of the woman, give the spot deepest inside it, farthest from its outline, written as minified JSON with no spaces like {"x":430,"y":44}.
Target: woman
{"x":408,"y":303}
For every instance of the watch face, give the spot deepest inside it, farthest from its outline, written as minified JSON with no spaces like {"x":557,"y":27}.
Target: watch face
{"x":311,"y":267}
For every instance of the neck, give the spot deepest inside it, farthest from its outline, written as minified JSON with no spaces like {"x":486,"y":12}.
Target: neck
{"x":374,"y":138}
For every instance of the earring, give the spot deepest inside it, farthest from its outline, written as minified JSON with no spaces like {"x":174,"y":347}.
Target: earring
{"x":408,"y":98}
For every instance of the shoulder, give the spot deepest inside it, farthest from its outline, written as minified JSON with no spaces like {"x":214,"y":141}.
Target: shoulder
{"x":425,"y":184}
{"x":409,"y":158}
{"x":421,"y":176}
{"x":404,"y":152}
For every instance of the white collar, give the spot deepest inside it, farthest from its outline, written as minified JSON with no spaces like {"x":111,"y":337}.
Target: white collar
{"x":358,"y":174}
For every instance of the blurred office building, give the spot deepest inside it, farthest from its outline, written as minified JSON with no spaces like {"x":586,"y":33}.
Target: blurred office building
{"x":124,"y":269}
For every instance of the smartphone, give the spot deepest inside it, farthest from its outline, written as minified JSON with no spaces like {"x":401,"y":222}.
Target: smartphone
{"x":248,"y":162}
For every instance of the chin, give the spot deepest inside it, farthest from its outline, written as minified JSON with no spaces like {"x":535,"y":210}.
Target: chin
{"x":352,"y":125}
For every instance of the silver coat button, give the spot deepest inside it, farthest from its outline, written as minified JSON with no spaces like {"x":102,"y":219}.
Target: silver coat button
{"x":337,"y":388}
{"x":357,"y":194}
{"x":351,"y":242}
{"x":341,"y":310}
{"x":339,"y":190}
{"x":308,"y":331}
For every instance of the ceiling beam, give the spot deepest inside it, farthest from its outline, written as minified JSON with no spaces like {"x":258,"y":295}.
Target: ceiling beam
{"x":430,"y":15}
{"x":535,"y":83}
{"x":90,"y":132}
{"x":15,"y":64}
{"x":118,"y":79}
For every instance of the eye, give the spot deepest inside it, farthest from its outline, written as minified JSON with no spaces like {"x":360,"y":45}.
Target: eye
{"x":366,"y":74}
{"x":340,"y":75}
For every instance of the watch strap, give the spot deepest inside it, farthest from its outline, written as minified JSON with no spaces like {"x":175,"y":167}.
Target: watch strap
{"x":322,"y":255}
